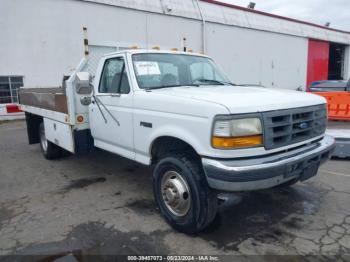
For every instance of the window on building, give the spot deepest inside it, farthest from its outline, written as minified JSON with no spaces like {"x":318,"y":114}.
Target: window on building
{"x":9,"y":86}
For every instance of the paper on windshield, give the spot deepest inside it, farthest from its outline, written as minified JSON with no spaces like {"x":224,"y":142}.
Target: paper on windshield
{"x":147,"y":68}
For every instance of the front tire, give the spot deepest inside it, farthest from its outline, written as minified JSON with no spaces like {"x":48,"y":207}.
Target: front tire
{"x":182,"y":193}
{"x":48,"y":149}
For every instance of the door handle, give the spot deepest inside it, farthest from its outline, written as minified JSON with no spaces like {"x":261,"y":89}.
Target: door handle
{"x":115,"y":95}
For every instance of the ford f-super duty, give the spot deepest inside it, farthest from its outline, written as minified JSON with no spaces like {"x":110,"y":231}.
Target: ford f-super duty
{"x":178,"y":113}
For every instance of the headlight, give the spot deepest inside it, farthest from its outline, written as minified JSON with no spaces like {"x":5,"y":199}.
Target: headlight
{"x":237,"y":133}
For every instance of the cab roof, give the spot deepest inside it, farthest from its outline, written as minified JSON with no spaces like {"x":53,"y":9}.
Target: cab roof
{"x":152,"y":51}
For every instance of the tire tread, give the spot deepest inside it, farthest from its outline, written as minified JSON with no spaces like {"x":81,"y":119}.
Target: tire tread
{"x":209,"y":209}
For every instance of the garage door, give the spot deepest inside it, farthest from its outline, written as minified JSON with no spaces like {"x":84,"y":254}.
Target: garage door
{"x":317,"y":62}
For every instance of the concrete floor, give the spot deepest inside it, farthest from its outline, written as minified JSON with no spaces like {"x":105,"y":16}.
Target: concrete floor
{"x":103,"y":204}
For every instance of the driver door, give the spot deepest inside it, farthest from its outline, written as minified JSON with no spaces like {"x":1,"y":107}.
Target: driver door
{"x":111,"y":109}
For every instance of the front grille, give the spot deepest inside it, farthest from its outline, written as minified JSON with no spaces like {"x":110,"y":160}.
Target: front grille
{"x":286,"y":127}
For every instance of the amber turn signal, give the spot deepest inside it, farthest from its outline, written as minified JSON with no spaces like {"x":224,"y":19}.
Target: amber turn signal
{"x":80,"y":119}
{"x":236,"y":142}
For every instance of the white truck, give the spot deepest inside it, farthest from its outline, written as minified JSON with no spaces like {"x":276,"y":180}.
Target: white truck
{"x":178,"y":113}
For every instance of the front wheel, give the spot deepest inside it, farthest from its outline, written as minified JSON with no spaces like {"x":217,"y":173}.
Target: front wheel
{"x":182,"y":193}
{"x":48,"y":149}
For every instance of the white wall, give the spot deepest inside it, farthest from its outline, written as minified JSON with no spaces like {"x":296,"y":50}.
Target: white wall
{"x":258,"y":57}
{"x":38,"y":40}
{"x":42,"y":40}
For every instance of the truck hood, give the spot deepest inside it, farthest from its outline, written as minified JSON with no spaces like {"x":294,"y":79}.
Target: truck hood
{"x":246,"y":99}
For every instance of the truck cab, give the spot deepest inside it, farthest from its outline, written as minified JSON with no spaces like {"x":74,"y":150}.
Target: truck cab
{"x":178,"y":113}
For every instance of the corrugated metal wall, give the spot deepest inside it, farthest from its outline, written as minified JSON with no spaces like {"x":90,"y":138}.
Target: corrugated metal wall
{"x":222,"y":14}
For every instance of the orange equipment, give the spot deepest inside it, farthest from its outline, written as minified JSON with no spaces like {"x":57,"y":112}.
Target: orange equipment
{"x":338,"y":104}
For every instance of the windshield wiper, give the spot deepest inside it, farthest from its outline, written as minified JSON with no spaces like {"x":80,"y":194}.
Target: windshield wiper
{"x":160,"y":87}
{"x":215,"y":81}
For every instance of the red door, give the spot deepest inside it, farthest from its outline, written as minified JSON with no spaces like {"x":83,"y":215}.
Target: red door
{"x":317,"y":61}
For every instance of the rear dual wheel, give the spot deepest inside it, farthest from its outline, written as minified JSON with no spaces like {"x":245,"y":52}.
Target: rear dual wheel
{"x":182,"y":193}
{"x":48,"y":149}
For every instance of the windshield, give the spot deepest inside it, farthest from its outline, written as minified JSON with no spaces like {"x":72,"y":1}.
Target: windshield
{"x":169,"y":70}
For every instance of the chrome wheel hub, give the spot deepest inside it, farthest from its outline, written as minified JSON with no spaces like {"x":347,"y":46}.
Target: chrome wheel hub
{"x":176,"y":194}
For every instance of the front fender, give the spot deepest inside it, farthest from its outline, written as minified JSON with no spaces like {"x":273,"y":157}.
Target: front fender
{"x":178,"y":133}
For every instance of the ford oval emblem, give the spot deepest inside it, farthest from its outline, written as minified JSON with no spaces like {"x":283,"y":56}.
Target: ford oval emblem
{"x":303,"y":125}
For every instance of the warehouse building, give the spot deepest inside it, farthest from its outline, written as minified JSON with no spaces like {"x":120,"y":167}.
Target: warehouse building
{"x":42,"y":40}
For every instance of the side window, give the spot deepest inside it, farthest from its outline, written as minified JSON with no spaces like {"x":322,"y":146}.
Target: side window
{"x":114,"y":78}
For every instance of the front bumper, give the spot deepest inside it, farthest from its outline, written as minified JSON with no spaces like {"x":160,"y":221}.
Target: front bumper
{"x":267,"y":171}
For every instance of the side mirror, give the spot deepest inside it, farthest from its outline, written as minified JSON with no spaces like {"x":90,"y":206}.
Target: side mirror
{"x":84,"y":85}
